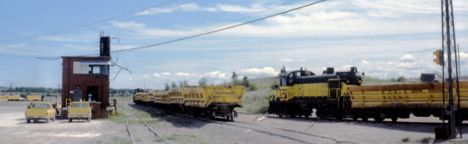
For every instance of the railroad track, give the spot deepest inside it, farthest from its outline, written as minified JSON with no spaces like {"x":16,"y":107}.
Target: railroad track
{"x":301,"y":132}
{"x":128,"y":129}
{"x":259,"y":128}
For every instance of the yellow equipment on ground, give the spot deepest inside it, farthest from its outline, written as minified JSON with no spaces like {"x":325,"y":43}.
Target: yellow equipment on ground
{"x":33,"y":98}
{"x":3,"y":98}
{"x":14,"y":98}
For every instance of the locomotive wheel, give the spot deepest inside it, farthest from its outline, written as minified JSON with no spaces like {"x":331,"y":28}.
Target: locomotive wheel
{"x":320,"y":114}
{"x":365,"y":119}
{"x":355,"y":118}
{"x":378,"y":119}
{"x":211,"y":115}
{"x":229,"y":118}
{"x":280,"y":115}
{"x":339,"y":117}
{"x":394,"y":119}
{"x":292,"y":115}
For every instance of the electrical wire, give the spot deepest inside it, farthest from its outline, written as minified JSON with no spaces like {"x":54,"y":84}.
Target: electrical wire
{"x":87,"y":25}
{"x":203,"y":33}
{"x":219,"y":29}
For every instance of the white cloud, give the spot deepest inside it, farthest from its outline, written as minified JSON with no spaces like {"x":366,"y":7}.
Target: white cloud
{"x":187,"y":7}
{"x":463,"y":56}
{"x":365,"y":62}
{"x":165,"y":73}
{"x":171,"y":9}
{"x":331,"y":18}
{"x":387,"y":56}
{"x":237,"y":8}
{"x":141,"y":30}
{"x":185,"y":74}
{"x":286,"y":60}
{"x":128,"y":25}
{"x":407,"y":58}
{"x":215,"y":77}
{"x":20,"y":49}
{"x":157,"y":75}
{"x":266,"y":71}
{"x":216,"y":74}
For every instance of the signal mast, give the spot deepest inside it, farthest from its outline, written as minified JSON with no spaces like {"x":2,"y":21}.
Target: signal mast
{"x":449,"y":49}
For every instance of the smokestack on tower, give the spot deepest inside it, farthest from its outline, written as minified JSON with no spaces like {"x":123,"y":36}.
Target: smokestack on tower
{"x":104,"y":45}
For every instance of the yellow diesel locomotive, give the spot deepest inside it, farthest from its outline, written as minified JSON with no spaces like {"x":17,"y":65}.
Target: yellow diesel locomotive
{"x":301,"y":91}
{"x":341,"y":95}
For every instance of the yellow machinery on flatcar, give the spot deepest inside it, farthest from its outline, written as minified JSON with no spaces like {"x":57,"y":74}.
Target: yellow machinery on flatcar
{"x":212,"y":101}
{"x":400,"y":100}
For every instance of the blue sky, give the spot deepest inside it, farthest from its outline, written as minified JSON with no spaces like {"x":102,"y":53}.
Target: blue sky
{"x":383,"y":38}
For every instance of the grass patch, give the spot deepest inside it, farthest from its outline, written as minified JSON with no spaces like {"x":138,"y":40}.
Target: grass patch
{"x":118,"y":118}
{"x":256,"y":101}
{"x":118,"y":140}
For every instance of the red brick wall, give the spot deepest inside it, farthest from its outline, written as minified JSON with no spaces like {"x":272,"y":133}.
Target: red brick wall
{"x":70,"y":80}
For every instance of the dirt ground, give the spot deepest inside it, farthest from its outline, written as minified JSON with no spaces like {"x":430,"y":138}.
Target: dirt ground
{"x":135,"y":124}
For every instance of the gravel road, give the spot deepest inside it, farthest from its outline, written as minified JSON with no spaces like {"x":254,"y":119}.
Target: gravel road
{"x":138,"y":124}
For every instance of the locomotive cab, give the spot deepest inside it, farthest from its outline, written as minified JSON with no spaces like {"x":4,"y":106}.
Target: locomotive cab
{"x":289,"y":79}
{"x":351,"y":77}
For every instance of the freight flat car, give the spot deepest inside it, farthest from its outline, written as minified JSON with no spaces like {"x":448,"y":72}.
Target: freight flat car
{"x":211,"y":101}
{"x":400,"y":100}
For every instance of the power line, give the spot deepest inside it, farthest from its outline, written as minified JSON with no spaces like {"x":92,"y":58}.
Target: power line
{"x":220,"y":29}
{"x":87,"y":25}
{"x":195,"y":35}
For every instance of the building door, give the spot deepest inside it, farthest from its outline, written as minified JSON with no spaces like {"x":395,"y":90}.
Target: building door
{"x":93,"y":91}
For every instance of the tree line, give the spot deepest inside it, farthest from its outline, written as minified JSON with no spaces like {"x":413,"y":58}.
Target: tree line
{"x":204,"y":82}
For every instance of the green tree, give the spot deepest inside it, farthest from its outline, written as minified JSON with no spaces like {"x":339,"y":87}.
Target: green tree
{"x":183,"y":83}
{"x":202,"y":82}
{"x":167,"y":87}
{"x":401,"y":79}
{"x":235,"y":79}
{"x":245,"y":81}
{"x":173,"y":84}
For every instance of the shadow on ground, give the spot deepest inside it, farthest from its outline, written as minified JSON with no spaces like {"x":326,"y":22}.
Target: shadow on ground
{"x":176,"y":119}
{"x":424,"y":127}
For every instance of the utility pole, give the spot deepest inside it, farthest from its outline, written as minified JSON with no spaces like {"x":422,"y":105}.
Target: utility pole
{"x":449,"y":45}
